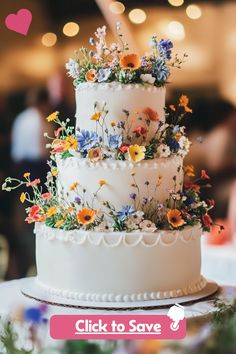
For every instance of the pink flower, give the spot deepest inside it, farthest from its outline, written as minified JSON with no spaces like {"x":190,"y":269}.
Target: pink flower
{"x":57,"y":132}
{"x":151,"y":114}
{"x":207,"y":220}
{"x":33,"y":183}
{"x":140,"y":130}
{"x":124,"y":148}
{"x":46,"y":196}
{"x":204,"y":175}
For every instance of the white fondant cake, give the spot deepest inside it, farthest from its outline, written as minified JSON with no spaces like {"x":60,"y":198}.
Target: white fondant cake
{"x":119,"y":266}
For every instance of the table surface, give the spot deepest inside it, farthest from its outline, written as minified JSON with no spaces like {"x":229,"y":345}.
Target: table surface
{"x":11,"y":299}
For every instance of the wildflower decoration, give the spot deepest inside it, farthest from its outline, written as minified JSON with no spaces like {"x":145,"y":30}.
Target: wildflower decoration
{"x":86,"y":216}
{"x":107,"y":63}
{"x":174,"y":218}
{"x":136,"y":153}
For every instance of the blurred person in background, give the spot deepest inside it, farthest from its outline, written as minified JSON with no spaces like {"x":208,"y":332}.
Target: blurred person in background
{"x":29,"y":155}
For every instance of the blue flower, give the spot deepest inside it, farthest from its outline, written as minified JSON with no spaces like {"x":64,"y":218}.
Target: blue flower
{"x":125,"y":212}
{"x":87,"y":140}
{"x":33,"y":314}
{"x":103,"y":74}
{"x":189,"y":200}
{"x":173,"y":144}
{"x":165,"y":47}
{"x":115,"y":141}
{"x":160,"y":70}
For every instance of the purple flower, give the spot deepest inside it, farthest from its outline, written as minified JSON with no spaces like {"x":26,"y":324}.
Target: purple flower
{"x":121,"y":124}
{"x":77,"y":200}
{"x":165,"y":47}
{"x":125,"y":212}
{"x":145,"y":200}
{"x":133,"y":196}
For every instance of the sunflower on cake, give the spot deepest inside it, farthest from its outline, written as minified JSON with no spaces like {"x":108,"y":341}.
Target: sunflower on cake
{"x":122,"y":218}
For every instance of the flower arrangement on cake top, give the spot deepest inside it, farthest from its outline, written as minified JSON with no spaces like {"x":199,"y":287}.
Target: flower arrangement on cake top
{"x":107,"y":63}
{"x":125,"y":140}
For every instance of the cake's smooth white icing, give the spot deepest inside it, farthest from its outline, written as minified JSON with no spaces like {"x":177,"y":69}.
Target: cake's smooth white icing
{"x":132,"y":97}
{"x":119,"y":266}
{"x":118,"y":175}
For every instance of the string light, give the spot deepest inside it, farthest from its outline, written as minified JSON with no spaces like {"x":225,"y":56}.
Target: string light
{"x":194,"y":12}
{"x":176,"y":2}
{"x":176,"y":30}
{"x":116,"y":7}
{"x":71,"y":29}
{"x":49,"y":39}
{"x":137,"y":16}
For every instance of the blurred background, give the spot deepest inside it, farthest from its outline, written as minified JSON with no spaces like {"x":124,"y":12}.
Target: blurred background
{"x":33,"y":81}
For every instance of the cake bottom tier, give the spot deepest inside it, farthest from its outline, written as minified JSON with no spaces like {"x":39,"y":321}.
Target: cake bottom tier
{"x":119,"y":266}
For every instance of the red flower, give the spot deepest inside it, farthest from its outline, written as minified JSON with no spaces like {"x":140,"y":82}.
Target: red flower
{"x":34,"y":215}
{"x":192,"y":186}
{"x":185,"y":214}
{"x":204,"y":175}
{"x":57,"y":132}
{"x":140,"y":130}
{"x":207,"y":220}
{"x":33,"y":183}
{"x":46,"y":196}
{"x":124,"y":148}
{"x":151,"y":114}
{"x":58,"y":146}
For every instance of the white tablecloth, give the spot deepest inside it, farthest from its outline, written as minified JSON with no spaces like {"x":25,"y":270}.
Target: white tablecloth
{"x":219,"y":263}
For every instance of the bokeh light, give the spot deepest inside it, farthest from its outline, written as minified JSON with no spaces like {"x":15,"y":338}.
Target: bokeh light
{"x":116,"y":7}
{"x":176,"y":30}
{"x":137,"y":16}
{"x":194,"y":12}
{"x":71,"y":29}
{"x":176,"y":2}
{"x":49,"y":39}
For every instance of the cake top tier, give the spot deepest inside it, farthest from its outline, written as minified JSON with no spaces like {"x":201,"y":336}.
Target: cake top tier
{"x":114,"y":62}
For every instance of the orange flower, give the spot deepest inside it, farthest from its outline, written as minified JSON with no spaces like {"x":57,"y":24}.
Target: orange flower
{"x":91,"y":75}
{"x":102,"y":182}
{"x":174,"y":218}
{"x":26,"y":174}
{"x":96,"y":116}
{"x":183,"y":102}
{"x":86,"y":216}
{"x":130,"y":62}
{"x":33,"y":183}
{"x":151,"y":114}
{"x":51,"y":211}
{"x":74,"y":186}
{"x":189,"y":170}
{"x":46,"y":196}
{"x":172,"y":107}
{"x":58,"y":146}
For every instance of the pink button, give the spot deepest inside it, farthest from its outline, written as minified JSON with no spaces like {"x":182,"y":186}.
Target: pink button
{"x":116,"y":327}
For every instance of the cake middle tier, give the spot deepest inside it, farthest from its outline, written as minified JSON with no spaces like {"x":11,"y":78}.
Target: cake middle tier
{"x":124,"y":180}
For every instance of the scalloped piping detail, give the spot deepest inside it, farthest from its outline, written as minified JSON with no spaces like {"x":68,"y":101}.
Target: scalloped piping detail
{"x":192,"y":288}
{"x":115,"y":239}
{"x":78,"y":162}
{"x":117,"y":86}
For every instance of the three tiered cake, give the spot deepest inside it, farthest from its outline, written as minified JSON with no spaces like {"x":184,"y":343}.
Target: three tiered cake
{"x":118,"y":223}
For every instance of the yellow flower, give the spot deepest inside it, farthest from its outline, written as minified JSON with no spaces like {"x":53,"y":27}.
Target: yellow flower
{"x":70,"y":209}
{"x":22,"y":197}
{"x":159,"y":181}
{"x":130,"y":62}
{"x":26,"y":174}
{"x":102,"y":182}
{"x":59,"y":223}
{"x":71,"y":143}
{"x":96,"y":116}
{"x":54,"y":172}
{"x":90,"y":75}
{"x":113,"y":124}
{"x":189,"y":170}
{"x":86,"y":216}
{"x":95,"y":154}
{"x":51,"y":211}
{"x":74,"y":186}
{"x":174,"y":218}
{"x":136,"y":152}
{"x":52,"y":116}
